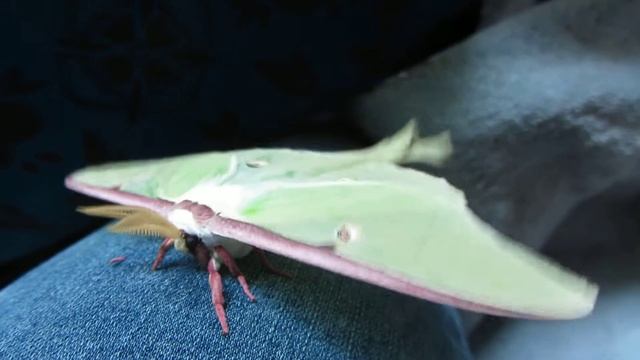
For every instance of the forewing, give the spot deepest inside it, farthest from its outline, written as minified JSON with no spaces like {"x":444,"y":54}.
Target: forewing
{"x":171,"y":178}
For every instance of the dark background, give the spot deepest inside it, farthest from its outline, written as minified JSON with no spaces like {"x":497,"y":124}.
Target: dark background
{"x":88,"y":82}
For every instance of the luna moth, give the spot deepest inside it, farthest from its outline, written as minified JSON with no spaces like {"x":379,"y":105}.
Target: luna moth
{"x":359,"y":213}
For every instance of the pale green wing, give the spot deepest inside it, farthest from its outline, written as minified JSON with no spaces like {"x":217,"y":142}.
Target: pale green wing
{"x":419,"y":227}
{"x":370,"y":211}
{"x":172,"y":177}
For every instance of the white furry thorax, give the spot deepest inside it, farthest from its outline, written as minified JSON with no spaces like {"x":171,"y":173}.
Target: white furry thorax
{"x":183,"y":220}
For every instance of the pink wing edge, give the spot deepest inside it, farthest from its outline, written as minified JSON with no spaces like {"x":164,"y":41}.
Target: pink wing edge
{"x":264,"y":239}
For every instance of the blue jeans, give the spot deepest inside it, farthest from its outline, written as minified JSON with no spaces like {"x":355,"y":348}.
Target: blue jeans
{"x":77,"y":305}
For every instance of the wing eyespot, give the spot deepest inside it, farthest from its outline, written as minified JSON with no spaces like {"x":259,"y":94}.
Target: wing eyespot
{"x":347,"y":232}
{"x":256,"y":164}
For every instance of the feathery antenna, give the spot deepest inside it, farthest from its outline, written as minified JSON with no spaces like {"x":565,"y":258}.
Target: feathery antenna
{"x":134,"y":220}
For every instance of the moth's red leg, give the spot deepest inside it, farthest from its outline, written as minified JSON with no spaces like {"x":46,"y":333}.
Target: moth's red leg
{"x":267,"y":265}
{"x":164,"y":247}
{"x":215,"y":283}
{"x":230,"y":263}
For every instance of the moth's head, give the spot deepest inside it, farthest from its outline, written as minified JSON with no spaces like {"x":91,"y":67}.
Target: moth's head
{"x":193,"y":245}
{"x":186,"y":242}
{"x":181,"y":243}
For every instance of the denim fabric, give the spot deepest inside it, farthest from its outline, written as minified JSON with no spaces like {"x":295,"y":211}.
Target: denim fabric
{"x":77,"y":305}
